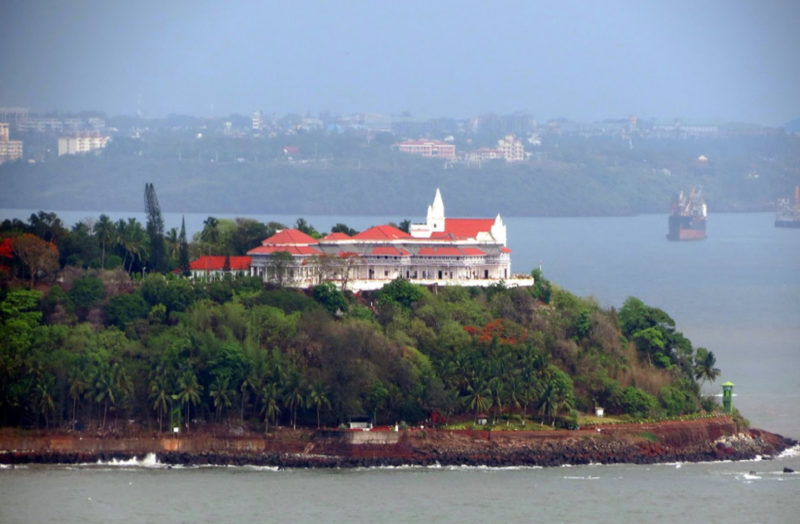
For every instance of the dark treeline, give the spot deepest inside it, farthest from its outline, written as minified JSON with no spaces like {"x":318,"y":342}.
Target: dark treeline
{"x":84,"y":346}
{"x":44,"y":244}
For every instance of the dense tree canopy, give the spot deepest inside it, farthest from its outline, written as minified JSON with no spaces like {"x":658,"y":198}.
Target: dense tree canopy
{"x":84,"y":345}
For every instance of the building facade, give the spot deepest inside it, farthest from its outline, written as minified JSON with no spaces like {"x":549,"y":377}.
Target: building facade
{"x":74,"y":145}
{"x":214,"y":267}
{"x":440,"y":251}
{"x":511,"y":149}
{"x":10,"y":150}
{"x":428,"y":148}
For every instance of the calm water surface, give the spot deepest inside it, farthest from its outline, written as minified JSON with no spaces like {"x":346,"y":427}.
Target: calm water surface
{"x":736,"y":293}
{"x":755,"y":491}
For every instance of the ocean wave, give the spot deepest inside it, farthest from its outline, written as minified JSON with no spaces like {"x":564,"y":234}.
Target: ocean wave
{"x":149,"y":461}
{"x":792,"y":452}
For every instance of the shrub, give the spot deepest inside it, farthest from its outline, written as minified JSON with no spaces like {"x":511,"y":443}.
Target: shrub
{"x":638,"y":403}
{"x":677,"y":401}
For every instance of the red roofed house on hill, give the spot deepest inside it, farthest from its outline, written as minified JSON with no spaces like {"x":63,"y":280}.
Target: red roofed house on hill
{"x":214,"y":267}
{"x":443,"y":251}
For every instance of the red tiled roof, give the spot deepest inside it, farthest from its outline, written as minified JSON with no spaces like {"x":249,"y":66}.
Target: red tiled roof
{"x":505,"y":250}
{"x":385,"y":232}
{"x":467,"y":227}
{"x":443,"y":235}
{"x":216,"y":263}
{"x":473,"y":251}
{"x":389,"y":251}
{"x":289,"y":236}
{"x":292,"y":250}
{"x":440,"y":252}
{"x":337,"y":236}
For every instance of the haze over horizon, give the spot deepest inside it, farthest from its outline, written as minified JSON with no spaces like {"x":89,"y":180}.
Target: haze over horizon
{"x":714,"y":60}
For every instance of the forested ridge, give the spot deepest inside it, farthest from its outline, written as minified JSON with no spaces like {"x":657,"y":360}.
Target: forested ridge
{"x":84,"y":347}
{"x":348,"y":174}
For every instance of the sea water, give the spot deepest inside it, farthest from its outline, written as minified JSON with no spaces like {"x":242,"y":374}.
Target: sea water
{"x":752,"y":491}
{"x":736,"y":293}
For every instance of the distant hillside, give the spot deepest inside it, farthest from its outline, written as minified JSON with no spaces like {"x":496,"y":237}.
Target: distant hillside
{"x":792,"y":126}
{"x":568,"y":176}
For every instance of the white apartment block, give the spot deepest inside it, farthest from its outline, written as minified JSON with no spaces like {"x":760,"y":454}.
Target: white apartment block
{"x":10,"y":150}
{"x":75,"y":145}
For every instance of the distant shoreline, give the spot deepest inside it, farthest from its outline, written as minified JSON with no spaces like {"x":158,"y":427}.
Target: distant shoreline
{"x":700,"y":440}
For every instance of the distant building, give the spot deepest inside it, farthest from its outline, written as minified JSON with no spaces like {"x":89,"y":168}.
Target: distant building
{"x":10,"y":150}
{"x":428,"y":148}
{"x":511,"y":148}
{"x":13,"y":115}
{"x":440,"y":251}
{"x":508,"y":148}
{"x":45,"y":124}
{"x":257,"y":121}
{"x":78,"y":144}
{"x":484,"y":154}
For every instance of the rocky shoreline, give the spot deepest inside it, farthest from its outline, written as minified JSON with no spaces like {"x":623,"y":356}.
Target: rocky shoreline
{"x":674,"y":441}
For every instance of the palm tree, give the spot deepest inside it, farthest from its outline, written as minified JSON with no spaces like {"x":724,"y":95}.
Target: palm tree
{"x":104,"y":390}
{"x":704,"y":362}
{"x":210,"y":234}
{"x":318,"y":398}
{"x":294,"y":397}
{"x":106,"y":234}
{"x":173,"y":242}
{"x":478,"y":397}
{"x":189,"y":390}
{"x":269,"y":403}
{"x":160,"y":396}
{"x":44,"y":397}
{"x":221,"y":392}
{"x":133,"y":239}
{"x":250,"y":383}
{"x":557,"y":393}
{"x":496,"y":392}
{"x":77,"y":388}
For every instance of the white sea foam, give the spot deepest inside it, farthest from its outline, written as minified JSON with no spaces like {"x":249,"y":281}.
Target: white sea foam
{"x":792,"y":452}
{"x":252,"y":467}
{"x":149,"y":461}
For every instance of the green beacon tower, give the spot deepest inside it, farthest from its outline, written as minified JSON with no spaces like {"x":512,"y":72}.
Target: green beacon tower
{"x":727,"y":397}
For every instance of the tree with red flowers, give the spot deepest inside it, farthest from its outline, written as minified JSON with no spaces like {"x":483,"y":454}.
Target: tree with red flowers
{"x":39,"y":256}
{"x":6,"y":252}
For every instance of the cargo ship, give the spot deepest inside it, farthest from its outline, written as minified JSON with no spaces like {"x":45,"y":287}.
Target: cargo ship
{"x":787,"y":215}
{"x":687,"y":218}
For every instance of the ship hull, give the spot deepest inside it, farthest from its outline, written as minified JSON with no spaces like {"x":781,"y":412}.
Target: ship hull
{"x":686,"y":228}
{"x":787,"y":223}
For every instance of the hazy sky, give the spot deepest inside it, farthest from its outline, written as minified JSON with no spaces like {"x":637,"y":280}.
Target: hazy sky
{"x":586,"y":60}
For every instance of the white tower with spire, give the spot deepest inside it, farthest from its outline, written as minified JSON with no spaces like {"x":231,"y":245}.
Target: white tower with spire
{"x":434,"y":222}
{"x":436,"y":213}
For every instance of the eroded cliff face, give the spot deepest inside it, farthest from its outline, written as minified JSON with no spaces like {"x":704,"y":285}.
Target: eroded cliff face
{"x":697,"y":440}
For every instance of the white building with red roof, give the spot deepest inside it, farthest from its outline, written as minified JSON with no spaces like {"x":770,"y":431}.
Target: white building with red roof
{"x":441,"y":251}
{"x":212,"y":267}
